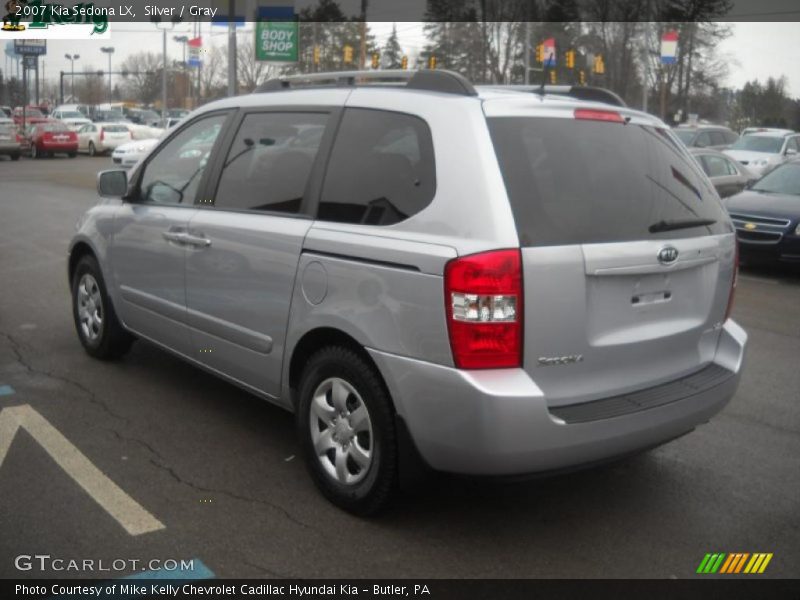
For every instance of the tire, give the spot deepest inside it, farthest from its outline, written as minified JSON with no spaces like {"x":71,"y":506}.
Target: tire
{"x":15,"y":156}
{"x":92,"y":149}
{"x":362,"y":487}
{"x":34,"y":151}
{"x":98,"y":328}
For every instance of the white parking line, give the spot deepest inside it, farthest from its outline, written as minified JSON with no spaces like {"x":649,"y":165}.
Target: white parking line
{"x":128,"y":513}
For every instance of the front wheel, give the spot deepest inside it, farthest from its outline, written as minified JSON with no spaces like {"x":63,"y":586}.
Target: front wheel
{"x":99,"y":331}
{"x":92,"y":149}
{"x":346,"y":428}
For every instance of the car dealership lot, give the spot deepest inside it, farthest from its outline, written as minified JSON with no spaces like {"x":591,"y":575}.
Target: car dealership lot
{"x":218,"y":467}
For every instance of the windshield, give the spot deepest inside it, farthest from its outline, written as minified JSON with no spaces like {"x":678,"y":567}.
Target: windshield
{"x":759,"y":143}
{"x":575,"y":181}
{"x":31,"y":112}
{"x":685,"y":135}
{"x":783,"y":180}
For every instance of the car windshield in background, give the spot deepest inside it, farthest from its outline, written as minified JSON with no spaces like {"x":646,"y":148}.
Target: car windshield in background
{"x":52,"y":127}
{"x":72,"y":114}
{"x":759,"y":143}
{"x":685,"y":135}
{"x":783,"y":180}
{"x":31,"y":112}
{"x":579,"y":181}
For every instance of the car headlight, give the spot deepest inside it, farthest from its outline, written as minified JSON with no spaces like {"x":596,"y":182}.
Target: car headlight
{"x":762,"y":162}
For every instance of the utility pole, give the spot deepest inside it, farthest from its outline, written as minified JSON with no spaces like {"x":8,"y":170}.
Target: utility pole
{"x":527,"y":51}
{"x":362,"y":59}
{"x":646,"y":52}
{"x":108,"y":50}
{"x":232,"y":70}
{"x":72,"y":58}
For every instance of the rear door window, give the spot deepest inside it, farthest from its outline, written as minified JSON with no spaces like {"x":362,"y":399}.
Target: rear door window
{"x":717,"y":138}
{"x":381,"y":169}
{"x":577,"y":181}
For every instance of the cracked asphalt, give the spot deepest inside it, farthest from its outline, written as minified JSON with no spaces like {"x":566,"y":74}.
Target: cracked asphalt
{"x":218,"y":467}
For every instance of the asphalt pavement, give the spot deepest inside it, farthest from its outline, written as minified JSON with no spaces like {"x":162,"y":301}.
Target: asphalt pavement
{"x":217,"y":469}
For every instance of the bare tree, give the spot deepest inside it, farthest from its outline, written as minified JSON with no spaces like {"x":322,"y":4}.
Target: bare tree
{"x":251,"y":72}
{"x":142,"y":76}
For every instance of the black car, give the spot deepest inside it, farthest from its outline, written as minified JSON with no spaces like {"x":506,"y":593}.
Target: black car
{"x":767,"y":216}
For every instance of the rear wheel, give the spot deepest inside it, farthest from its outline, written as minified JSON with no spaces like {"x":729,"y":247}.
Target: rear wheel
{"x":99,"y":331}
{"x":92,"y":149}
{"x":346,"y":428}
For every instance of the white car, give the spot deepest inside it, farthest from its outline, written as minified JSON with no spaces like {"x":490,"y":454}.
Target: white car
{"x":761,"y":152}
{"x":127,"y":155}
{"x":99,"y":138}
{"x":70,"y":116}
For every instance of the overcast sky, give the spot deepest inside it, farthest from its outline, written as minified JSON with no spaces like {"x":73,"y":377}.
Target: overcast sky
{"x":756,"y":50}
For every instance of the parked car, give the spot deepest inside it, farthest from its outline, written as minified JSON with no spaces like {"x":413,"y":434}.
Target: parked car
{"x":102,"y":138}
{"x":706,"y":136}
{"x":166,"y":123}
{"x":749,"y":130}
{"x":142,"y":116}
{"x":767,"y":216}
{"x":762,"y":152}
{"x":5,"y":111}
{"x":31,"y":116}
{"x":489,"y":282}
{"x":10,"y":139}
{"x":51,"y":138}
{"x":74,"y":119}
{"x":127,"y":155}
{"x":728,"y":176}
{"x":177,"y":113}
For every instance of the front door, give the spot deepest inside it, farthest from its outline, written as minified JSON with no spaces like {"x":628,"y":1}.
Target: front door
{"x":151,"y":241}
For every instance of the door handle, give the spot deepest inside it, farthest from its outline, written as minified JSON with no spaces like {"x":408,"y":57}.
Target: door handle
{"x":186,"y":239}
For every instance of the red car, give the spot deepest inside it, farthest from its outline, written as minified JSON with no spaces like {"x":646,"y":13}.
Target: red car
{"x":51,"y":137}
{"x":32,"y":116}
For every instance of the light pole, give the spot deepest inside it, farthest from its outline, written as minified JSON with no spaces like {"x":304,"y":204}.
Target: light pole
{"x":108,"y":50}
{"x":182,"y":39}
{"x":72,"y":58}
{"x":164,"y":26}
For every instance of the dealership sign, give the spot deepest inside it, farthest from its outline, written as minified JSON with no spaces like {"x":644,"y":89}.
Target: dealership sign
{"x":30,"y":47}
{"x":276,"y":34}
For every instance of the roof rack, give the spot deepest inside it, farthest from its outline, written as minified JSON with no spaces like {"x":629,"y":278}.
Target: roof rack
{"x":439,"y":80}
{"x":580,"y":92}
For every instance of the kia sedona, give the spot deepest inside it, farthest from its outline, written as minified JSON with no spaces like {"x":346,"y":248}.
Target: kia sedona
{"x":475,"y":280}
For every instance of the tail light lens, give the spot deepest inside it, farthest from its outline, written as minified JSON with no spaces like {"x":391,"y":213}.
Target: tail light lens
{"x":734,"y":281}
{"x":483,"y":303}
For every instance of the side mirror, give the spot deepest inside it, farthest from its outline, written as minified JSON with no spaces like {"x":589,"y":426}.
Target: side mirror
{"x":112,"y":184}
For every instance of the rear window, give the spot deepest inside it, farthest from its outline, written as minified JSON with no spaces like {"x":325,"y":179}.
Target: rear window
{"x":115,"y":128}
{"x":576,"y":181}
{"x":759,"y":143}
{"x":685,"y":135}
{"x":53,"y":127}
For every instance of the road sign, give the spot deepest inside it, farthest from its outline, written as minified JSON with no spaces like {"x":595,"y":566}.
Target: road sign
{"x":549,"y":47}
{"x":127,"y":512}
{"x":30,"y":47}
{"x":669,"y":47}
{"x":29,"y":61}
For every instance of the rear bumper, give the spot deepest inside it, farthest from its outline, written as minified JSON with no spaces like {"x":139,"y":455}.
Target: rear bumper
{"x":498,"y":422}
{"x":59,"y":147}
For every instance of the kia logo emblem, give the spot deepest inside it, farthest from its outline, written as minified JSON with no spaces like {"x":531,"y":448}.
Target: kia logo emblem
{"x":667,"y":255}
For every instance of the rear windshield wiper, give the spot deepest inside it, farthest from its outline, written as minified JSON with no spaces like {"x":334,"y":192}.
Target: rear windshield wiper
{"x":672,"y":225}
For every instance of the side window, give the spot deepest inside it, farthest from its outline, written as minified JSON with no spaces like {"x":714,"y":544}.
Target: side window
{"x":717,"y":138}
{"x":703,"y":140}
{"x":381,"y":169}
{"x":715,"y":166}
{"x":270,"y":161}
{"x":794,"y":143}
{"x":174,"y":173}
{"x":730,"y":137}
{"x":732,"y":170}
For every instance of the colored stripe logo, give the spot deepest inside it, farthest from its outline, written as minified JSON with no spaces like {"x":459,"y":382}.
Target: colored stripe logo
{"x":734,"y":563}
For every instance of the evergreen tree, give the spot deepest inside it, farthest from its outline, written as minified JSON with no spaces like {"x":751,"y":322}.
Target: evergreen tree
{"x":392,"y":52}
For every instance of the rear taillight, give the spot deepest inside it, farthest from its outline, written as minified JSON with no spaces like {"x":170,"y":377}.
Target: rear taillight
{"x":483,"y":303}
{"x":735,"y":279}
{"x":102,"y":134}
{"x":598,"y":115}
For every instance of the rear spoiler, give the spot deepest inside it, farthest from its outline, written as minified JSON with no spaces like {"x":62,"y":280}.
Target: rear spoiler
{"x":579,"y":92}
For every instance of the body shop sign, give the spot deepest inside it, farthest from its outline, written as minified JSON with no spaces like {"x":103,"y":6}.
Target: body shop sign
{"x":276,"y":41}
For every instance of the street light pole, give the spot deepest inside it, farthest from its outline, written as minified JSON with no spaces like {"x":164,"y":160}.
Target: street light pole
{"x":72,"y":58}
{"x":108,"y":50}
{"x":183,"y":39}
{"x":164,"y":26}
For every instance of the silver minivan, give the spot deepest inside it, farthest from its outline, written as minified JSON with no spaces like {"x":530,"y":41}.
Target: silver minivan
{"x":482,"y":281}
